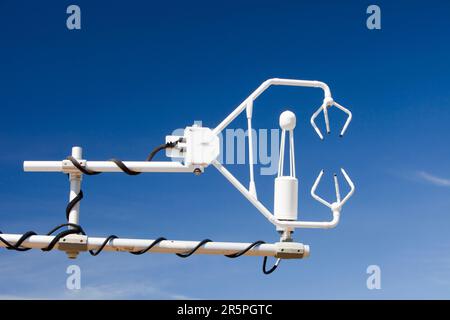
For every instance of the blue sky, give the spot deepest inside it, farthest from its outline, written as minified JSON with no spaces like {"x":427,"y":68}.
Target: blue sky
{"x":138,"y":70}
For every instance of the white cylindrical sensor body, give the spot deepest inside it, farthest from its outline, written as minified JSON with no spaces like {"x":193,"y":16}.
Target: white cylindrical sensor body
{"x":286,"y":198}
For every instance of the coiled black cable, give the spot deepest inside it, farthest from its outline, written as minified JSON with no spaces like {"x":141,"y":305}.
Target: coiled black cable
{"x":154,"y":243}
{"x":109,"y":238}
{"x":120,"y":164}
{"x":162,"y":147}
{"x":271,"y":269}
{"x":72,"y":203}
{"x":17,"y":245}
{"x":124,"y":168}
{"x":240,"y":253}
{"x":78,"y":198}
{"x":77,"y":229}
{"x":81,"y":168}
{"x":191,"y":252}
{"x":69,"y":207}
{"x":254,"y":244}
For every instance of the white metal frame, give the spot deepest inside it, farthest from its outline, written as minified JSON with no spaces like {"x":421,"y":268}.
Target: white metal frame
{"x":205,"y":140}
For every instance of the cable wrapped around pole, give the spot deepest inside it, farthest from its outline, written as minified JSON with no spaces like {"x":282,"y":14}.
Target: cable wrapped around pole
{"x":77,"y":229}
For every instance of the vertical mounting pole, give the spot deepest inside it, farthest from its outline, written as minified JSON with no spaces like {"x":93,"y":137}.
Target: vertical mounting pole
{"x":75,"y":187}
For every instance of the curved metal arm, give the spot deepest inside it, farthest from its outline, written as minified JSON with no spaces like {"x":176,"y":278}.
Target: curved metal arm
{"x":324,"y":107}
{"x":339,"y":203}
{"x":263,"y":87}
{"x":247,"y":105}
{"x":335,"y":207}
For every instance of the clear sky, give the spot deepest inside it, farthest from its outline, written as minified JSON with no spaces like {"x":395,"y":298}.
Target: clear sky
{"x":137,"y":70}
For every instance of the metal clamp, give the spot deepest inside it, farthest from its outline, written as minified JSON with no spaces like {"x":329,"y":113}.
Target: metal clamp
{"x":68,"y":167}
{"x":72,"y":244}
{"x":291,"y":250}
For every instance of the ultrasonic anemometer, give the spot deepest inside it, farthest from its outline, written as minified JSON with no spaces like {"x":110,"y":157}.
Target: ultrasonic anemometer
{"x":196,"y":150}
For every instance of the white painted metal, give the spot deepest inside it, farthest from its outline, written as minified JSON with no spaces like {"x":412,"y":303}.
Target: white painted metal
{"x":292,"y":153}
{"x":202,"y":146}
{"x":288,"y":120}
{"x":263,"y":87}
{"x":166,"y":246}
{"x":327,"y":103}
{"x":43,"y":166}
{"x":286,"y":198}
{"x":199,"y":148}
{"x":75,"y":187}
{"x":339,"y":203}
{"x":286,"y":187}
{"x":106,"y":166}
{"x":178,"y":150}
{"x":249,"y":112}
{"x":336,"y":207}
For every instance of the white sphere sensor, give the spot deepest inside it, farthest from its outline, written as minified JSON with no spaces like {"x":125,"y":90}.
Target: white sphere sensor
{"x":287,"y":120}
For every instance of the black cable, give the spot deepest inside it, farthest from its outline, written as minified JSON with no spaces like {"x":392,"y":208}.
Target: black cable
{"x":72,"y":203}
{"x":155,"y":151}
{"x":240,"y":253}
{"x":17,"y":246}
{"x":60,"y":235}
{"x":120,"y":164}
{"x":254,"y":244}
{"x":19,"y":242}
{"x":94,"y":253}
{"x":189,"y":253}
{"x":124,"y":168}
{"x":271,"y":269}
{"x":77,"y":229}
{"x":162,"y":147}
{"x":154,"y":243}
{"x":80,"y":167}
{"x":68,"y":224}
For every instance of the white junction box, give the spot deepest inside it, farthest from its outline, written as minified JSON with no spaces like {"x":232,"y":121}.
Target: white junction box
{"x":199,"y":148}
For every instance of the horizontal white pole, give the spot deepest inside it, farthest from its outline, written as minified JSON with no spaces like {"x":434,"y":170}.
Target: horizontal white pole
{"x":42,"y":166}
{"x":106,"y":166}
{"x":166,"y":246}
